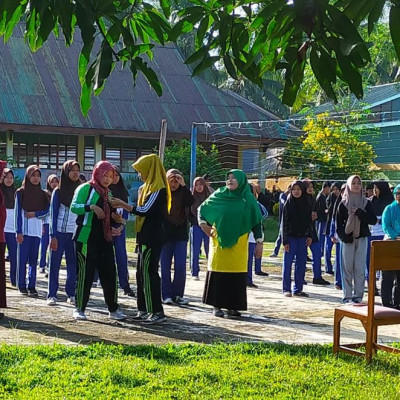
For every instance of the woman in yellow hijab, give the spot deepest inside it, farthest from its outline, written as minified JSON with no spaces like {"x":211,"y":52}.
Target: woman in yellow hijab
{"x":153,"y":204}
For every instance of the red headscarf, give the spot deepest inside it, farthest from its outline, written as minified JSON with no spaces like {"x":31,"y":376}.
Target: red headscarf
{"x":99,"y":170}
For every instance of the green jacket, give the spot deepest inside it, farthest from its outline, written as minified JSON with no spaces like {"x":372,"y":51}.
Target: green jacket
{"x":84,"y":197}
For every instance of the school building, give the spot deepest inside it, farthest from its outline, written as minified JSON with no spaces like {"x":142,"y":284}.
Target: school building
{"x":41,"y":121}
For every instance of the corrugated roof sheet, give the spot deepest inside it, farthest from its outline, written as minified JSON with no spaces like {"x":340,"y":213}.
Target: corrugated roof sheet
{"x":42,"y":89}
{"x":373,"y":95}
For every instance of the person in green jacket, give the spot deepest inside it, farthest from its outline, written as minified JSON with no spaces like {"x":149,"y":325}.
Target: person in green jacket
{"x":94,"y":240}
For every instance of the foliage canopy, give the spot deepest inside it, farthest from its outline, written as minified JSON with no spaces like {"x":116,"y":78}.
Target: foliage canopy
{"x":249,"y":38}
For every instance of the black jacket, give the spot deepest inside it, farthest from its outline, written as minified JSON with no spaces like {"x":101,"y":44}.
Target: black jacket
{"x":367,"y":217}
{"x":321,"y":208}
{"x":290,"y":225}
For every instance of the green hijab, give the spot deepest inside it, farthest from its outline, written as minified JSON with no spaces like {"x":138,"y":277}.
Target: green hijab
{"x":232,"y":212}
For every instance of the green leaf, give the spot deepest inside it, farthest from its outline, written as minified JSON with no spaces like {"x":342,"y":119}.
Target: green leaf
{"x":266,"y":13}
{"x":150,"y":75}
{"x":166,"y":7}
{"x":351,"y":75}
{"x":375,"y":14}
{"x":394,"y":18}
{"x":202,"y":29}
{"x":230,"y":66}
{"x":200,"y":53}
{"x":103,"y":65}
{"x":206,"y":63}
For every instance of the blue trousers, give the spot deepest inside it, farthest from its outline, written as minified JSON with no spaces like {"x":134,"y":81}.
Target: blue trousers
{"x":44,"y":244}
{"x":257,"y":263}
{"x":65,"y":245}
{"x":328,"y":254}
{"x":370,"y":239}
{"x":316,"y":260}
{"x":197,"y":237}
{"x":321,"y":236}
{"x":170,"y":288}
{"x":298,"y":248}
{"x":27,"y":252}
{"x":338,"y":265}
{"x":121,"y":258}
{"x":278,"y":243}
{"x":11,"y":243}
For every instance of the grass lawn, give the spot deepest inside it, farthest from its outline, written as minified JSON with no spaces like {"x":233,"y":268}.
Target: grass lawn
{"x":220,"y":371}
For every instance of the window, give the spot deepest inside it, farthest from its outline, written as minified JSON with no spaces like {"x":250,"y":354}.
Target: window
{"x":128,"y":158}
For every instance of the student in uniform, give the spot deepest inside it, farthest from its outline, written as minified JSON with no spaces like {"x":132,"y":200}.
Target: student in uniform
{"x":94,"y":240}
{"x":296,"y":236}
{"x":200,"y":193}
{"x":315,"y":245}
{"x":176,"y":235}
{"x":52,"y":183}
{"x":118,"y":190}
{"x":390,"y":283}
{"x":31,"y":206}
{"x":154,"y":203}
{"x":62,"y":228}
{"x":353,"y":216}
{"x":322,"y":216}
{"x":228,"y":216}
{"x":3,"y":217}
{"x":8,"y":189}
{"x":282,"y":200}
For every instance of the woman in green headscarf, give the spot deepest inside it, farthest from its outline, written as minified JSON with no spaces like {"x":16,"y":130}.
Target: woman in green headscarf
{"x":228,"y":216}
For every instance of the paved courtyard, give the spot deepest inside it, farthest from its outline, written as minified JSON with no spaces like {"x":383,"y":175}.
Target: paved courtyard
{"x":270,"y":317}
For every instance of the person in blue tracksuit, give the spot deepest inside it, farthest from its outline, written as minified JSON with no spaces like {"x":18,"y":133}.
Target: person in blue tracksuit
{"x":282,"y":200}
{"x":8,"y":188}
{"x":336,"y":241}
{"x":382,"y":197}
{"x":119,"y":191}
{"x":175,"y":246}
{"x":390,"y":284}
{"x":315,"y":245}
{"x":62,"y":228}
{"x":296,"y":236}
{"x":252,"y":250}
{"x":31,"y":206}
{"x":52,"y":183}
{"x":200,"y":193}
{"x":322,"y":217}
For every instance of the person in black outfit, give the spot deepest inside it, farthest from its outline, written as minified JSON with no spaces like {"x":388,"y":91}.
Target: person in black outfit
{"x":322,"y":216}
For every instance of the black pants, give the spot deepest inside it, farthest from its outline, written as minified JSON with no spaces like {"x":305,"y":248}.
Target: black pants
{"x":3,"y":302}
{"x":96,"y":255}
{"x":390,"y":288}
{"x":148,"y":279}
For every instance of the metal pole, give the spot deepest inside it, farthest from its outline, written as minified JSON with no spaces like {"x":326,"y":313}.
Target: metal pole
{"x":193,"y":143}
{"x":163,"y":136}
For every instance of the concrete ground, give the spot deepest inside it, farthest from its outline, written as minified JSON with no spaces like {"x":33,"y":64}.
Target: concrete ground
{"x":270,"y":317}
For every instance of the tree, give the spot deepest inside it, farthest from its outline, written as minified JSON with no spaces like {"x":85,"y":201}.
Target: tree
{"x":329,"y":150}
{"x":177,"y":155}
{"x":248,"y":38}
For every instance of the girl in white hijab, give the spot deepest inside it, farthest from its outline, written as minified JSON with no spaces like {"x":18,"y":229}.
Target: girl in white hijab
{"x":353,"y":216}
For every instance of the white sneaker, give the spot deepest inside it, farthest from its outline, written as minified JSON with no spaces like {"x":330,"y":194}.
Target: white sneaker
{"x":181,"y":301}
{"x":79,"y":315}
{"x":71,"y":300}
{"x":168,"y":301}
{"x":117,"y":315}
{"x":51,"y":301}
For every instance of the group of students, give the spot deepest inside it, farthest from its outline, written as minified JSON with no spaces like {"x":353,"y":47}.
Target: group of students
{"x":341,"y":215}
{"x":85,"y":222}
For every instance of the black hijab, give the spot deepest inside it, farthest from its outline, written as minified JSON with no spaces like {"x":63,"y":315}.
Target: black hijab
{"x":8,"y":191}
{"x":119,"y":190}
{"x":385,"y":197}
{"x":66,"y":186}
{"x":299,"y":210}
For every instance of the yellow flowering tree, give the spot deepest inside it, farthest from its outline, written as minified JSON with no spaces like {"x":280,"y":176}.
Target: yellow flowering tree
{"x":330,"y":149}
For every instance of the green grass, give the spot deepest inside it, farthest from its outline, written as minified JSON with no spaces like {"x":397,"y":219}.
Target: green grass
{"x":192,"y":371}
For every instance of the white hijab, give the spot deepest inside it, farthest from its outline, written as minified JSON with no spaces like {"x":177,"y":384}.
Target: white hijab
{"x":350,"y":200}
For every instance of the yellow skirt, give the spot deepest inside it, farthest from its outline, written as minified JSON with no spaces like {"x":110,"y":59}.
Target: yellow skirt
{"x":232,"y":259}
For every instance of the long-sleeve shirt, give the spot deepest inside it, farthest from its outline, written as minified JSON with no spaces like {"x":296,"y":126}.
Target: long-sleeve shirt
{"x":321,"y":208}
{"x":155,"y":211}
{"x":367,"y":217}
{"x":391,"y":220}
{"x":62,"y":219}
{"x":288,"y":227}
{"x":28,"y":226}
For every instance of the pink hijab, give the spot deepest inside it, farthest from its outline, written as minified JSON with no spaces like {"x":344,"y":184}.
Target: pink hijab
{"x":350,"y":200}
{"x":99,"y":170}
